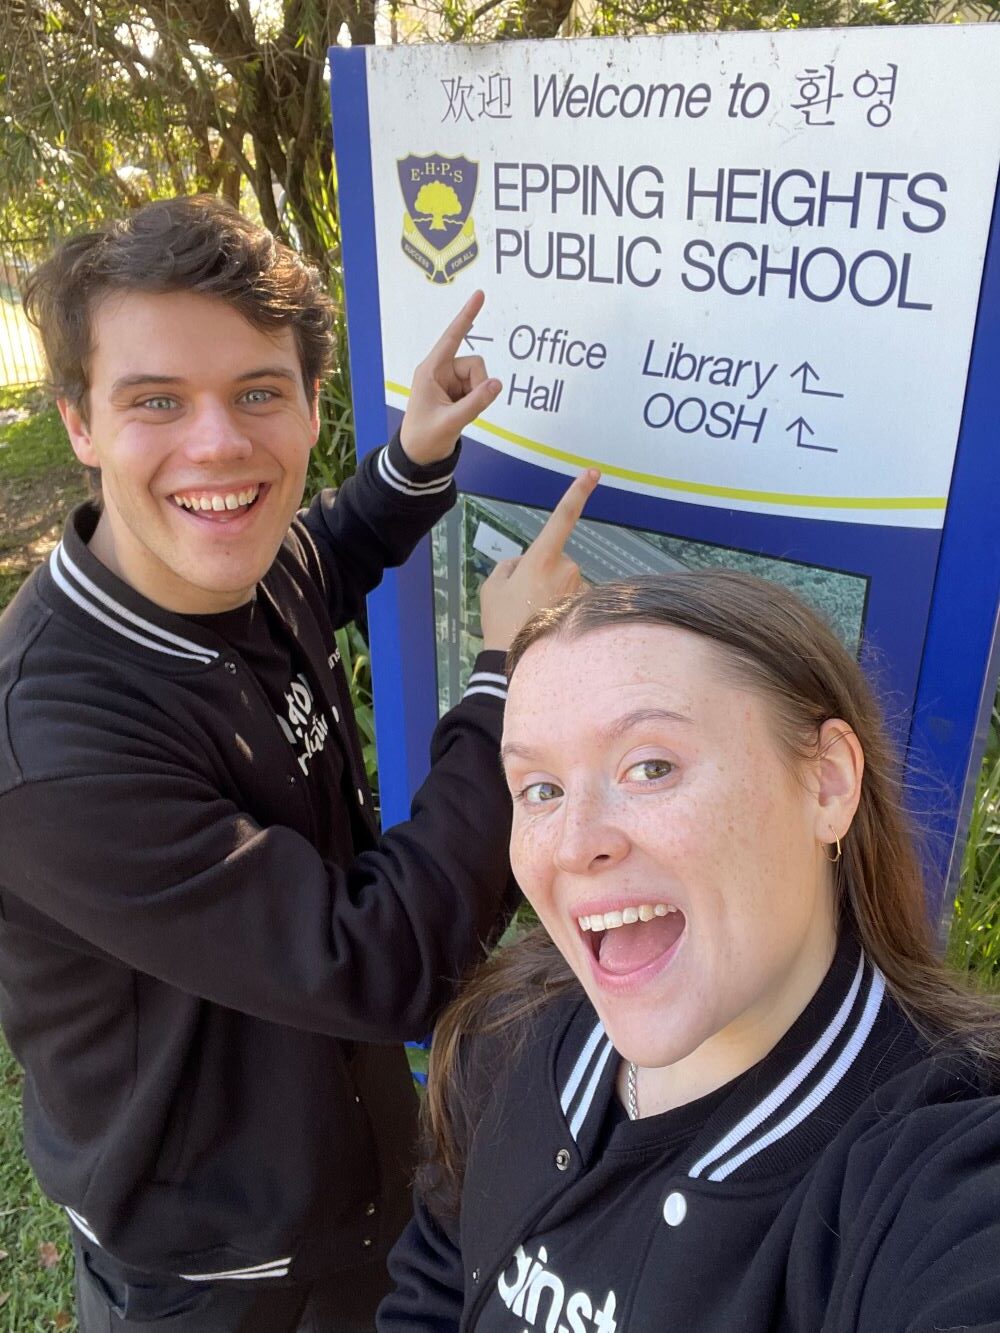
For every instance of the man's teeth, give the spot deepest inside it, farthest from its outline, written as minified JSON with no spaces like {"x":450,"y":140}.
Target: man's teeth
{"x":218,"y":502}
{"x":626,"y":917}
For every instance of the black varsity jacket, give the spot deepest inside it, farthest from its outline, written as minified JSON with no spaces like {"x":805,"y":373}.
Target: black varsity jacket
{"x":206,"y":998}
{"x":849,"y":1183}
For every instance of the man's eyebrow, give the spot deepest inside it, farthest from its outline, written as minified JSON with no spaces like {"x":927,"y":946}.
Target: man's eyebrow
{"x":141,"y":377}
{"x":616,"y":730}
{"x":130,"y":381}
{"x":268,"y":372}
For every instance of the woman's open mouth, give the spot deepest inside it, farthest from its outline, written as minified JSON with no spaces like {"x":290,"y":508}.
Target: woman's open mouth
{"x":633,"y":938}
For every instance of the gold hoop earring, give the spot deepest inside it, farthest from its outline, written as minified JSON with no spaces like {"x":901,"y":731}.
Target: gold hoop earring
{"x":832,"y":859}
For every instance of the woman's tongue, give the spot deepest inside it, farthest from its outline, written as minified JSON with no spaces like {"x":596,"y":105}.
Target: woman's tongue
{"x":628,"y":948}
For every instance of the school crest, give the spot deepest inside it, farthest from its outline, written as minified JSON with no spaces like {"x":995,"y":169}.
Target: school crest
{"x":439,"y":234}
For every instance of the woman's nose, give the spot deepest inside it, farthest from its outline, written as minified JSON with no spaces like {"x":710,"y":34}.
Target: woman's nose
{"x":590,"y":838}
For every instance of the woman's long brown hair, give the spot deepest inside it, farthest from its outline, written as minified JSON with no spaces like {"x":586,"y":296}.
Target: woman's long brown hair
{"x":770,"y":642}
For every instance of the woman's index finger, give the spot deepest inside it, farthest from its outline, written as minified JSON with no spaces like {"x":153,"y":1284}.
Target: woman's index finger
{"x":563,"y":519}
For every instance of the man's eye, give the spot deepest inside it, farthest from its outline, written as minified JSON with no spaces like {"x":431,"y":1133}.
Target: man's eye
{"x":539,"y":793}
{"x":161,"y":403}
{"x":257,"y":396}
{"x":648,"y":770}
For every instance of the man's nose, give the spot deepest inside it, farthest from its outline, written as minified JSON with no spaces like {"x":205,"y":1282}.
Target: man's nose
{"x":216,"y":436}
{"x":590,"y":838}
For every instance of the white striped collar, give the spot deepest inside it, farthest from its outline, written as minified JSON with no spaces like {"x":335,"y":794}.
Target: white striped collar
{"x":114,"y":615}
{"x":854,"y":990}
{"x":793,"y":1099}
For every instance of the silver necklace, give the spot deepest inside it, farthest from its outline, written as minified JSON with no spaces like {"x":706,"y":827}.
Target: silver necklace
{"x":633,"y":1100}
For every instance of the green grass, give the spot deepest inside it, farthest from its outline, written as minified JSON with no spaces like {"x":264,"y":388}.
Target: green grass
{"x":34,"y":446}
{"x":34,"y":1297}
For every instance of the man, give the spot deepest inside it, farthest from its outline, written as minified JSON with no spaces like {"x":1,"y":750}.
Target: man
{"x":205,"y":948}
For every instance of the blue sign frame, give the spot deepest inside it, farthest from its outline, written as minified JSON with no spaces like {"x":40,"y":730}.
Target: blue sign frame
{"x":935,"y":666}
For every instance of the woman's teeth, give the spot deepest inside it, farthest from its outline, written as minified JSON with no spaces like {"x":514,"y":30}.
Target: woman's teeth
{"x":628,"y":916}
{"x":219,"y":501}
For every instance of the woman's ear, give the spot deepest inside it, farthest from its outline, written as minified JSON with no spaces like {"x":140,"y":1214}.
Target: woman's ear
{"x":840,"y":767}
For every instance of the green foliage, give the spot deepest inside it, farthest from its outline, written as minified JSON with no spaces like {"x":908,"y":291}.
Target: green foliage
{"x":358,"y":668}
{"x":333,"y":459}
{"x":974,"y":942}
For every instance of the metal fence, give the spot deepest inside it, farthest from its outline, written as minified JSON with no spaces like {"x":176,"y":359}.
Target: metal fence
{"x":21,"y":360}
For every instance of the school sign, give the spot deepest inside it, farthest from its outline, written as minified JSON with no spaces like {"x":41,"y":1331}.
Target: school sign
{"x":751,"y":278}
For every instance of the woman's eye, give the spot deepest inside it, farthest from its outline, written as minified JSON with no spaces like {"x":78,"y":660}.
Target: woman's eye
{"x":648,"y":770}
{"x":539,"y":793}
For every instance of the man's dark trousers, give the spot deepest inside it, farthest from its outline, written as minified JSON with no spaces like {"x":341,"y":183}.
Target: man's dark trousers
{"x":343,"y":1303}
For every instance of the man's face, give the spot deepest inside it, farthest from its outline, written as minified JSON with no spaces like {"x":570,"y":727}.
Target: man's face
{"x":201,"y":428}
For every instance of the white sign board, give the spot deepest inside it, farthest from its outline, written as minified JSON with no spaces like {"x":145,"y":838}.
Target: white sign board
{"x":733,"y":268}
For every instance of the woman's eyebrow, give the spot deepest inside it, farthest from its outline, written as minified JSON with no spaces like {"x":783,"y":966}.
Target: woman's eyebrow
{"x":639,"y":716}
{"x":615,"y":731}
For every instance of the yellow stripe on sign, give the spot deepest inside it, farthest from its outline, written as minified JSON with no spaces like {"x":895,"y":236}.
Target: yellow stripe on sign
{"x":701,"y":488}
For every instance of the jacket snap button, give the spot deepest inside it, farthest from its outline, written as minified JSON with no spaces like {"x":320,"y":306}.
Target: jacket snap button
{"x":367,"y":1242}
{"x":674,"y":1209}
{"x":291,"y":779}
{"x":475,"y":1275}
{"x":562,"y":1159}
{"x":370,"y":1210}
{"x":230,"y":667}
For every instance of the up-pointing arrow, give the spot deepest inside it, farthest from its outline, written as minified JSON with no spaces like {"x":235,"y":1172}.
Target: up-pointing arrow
{"x":801,"y":426}
{"x":807,"y":371}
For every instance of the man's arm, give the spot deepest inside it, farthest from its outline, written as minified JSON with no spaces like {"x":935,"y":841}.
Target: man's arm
{"x":143,"y":858}
{"x":119,"y":829}
{"x":400,"y":491}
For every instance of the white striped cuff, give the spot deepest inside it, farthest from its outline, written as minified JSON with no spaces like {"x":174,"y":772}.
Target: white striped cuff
{"x":392,"y":476}
{"x":82,"y":1225}
{"x":273,"y":1268}
{"x":487,"y":682}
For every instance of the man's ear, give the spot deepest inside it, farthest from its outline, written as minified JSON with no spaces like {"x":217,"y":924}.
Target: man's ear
{"x":78,"y":432}
{"x":840,"y":766}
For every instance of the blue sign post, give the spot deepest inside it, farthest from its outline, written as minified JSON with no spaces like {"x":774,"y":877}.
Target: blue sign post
{"x":755,"y":279}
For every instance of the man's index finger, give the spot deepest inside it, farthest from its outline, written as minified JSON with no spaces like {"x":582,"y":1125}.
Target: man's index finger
{"x":447,"y":346}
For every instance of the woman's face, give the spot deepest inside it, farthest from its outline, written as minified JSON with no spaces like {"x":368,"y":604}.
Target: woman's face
{"x":670,"y":848}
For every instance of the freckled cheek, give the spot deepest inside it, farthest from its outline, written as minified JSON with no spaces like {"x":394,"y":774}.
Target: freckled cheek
{"x":699,"y":836}
{"x":531,"y":859}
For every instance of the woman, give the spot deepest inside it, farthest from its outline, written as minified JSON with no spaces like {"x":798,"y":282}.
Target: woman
{"x":743,"y":1094}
